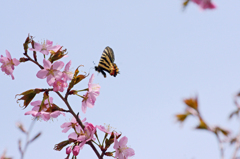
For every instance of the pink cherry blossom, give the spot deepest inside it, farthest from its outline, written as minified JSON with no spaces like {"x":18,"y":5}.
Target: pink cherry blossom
{"x":205,"y":4}
{"x":45,"y":115}
{"x":51,"y":71}
{"x":45,"y":112}
{"x":8,"y":64}
{"x":59,"y":85}
{"x":122,"y":151}
{"x":72,"y":124}
{"x":90,"y":96}
{"x":45,"y":47}
{"x":106,"y":129}
{"x":45,"y":106}
{"x":76,"y":150}
{"x":67,"y":75}
{"x":83,"y":136}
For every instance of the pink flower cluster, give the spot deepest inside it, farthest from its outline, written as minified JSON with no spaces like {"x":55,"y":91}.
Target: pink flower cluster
{"x":47,"y":110}
{"x":54,"y":76}
{"x":8,"y":64}
{"x":81,"y":137}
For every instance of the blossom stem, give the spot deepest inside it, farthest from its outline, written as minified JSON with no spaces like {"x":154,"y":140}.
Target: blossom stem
{"x":97,"y":138}
{"x":80,"y":96}
{"x":95,"y":142}
{"x":106,"y":134}
{"x":83,"y":90}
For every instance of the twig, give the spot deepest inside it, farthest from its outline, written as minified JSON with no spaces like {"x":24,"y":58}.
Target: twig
{"x":27,"y":139}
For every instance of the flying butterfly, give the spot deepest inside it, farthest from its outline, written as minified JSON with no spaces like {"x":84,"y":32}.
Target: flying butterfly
{"x":106,"y":63}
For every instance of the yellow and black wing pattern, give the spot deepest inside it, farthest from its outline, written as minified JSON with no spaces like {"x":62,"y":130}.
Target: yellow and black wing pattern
{"x":106,"y":63}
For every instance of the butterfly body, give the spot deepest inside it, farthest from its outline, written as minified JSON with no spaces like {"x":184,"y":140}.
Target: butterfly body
{"x":107,"y":64}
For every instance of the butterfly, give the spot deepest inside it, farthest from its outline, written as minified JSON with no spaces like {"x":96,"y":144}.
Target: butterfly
{"x":106,"y":63}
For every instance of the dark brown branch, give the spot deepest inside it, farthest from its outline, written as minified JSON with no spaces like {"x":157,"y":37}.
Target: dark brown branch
{"x":94,"y":149}
{"x":33,"y":61}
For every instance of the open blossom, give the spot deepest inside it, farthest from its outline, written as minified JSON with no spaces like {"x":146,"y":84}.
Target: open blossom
{"x":205,"y":4}
{"x":72,"y":124}
{"x":51,"y":71}
{"x":46,"y":112}
{"x":83,"y":136}
{"x":107,"y":129}
{"x":59,"y":85}
{"x":8,"y":64}
{"x":66,"y":74}
{"x":90,"y":96}
{"x":122,"y":151}
{"x":45,"y":115}
{"x":45,"y":47}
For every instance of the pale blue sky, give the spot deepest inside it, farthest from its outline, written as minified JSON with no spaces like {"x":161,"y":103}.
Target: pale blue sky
{"x":164,"y":55}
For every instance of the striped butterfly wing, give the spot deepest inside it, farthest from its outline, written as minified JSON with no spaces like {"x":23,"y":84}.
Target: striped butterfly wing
{"x":110,"y":53}
{"x":107,"y":64}
{"x":107,"y":59}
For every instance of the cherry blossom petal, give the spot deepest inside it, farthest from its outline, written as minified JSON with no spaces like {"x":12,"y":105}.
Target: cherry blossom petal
{"x":67,"y":67}
{"x":58,"y":65}
{"x":46,"y":64}
{"x":36,"y":103}
{"x":129,"y":152}
{"x":84,"y":106}
{"x":48,"y":42}
{"x":73,"y":136}
{"x":123,"y":141}
{"x":45,"y":52}
{"x":8,"y":54}
{"x":37,"y":46}
{"x":66,"y":129}
{"x":50,"y":80}
{"x":42,"y":74}
{"x":33,"y":113}
{"x":57,"y":74}
{"x":15,"y":62}
{"x":56,"y":114}
{"x":91,"y":80}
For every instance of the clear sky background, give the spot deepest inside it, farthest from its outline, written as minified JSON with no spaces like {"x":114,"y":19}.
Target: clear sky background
{"x":164,"y":55}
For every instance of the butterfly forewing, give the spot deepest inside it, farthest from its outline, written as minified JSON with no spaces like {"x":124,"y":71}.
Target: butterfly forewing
{"x":109,"y":53}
